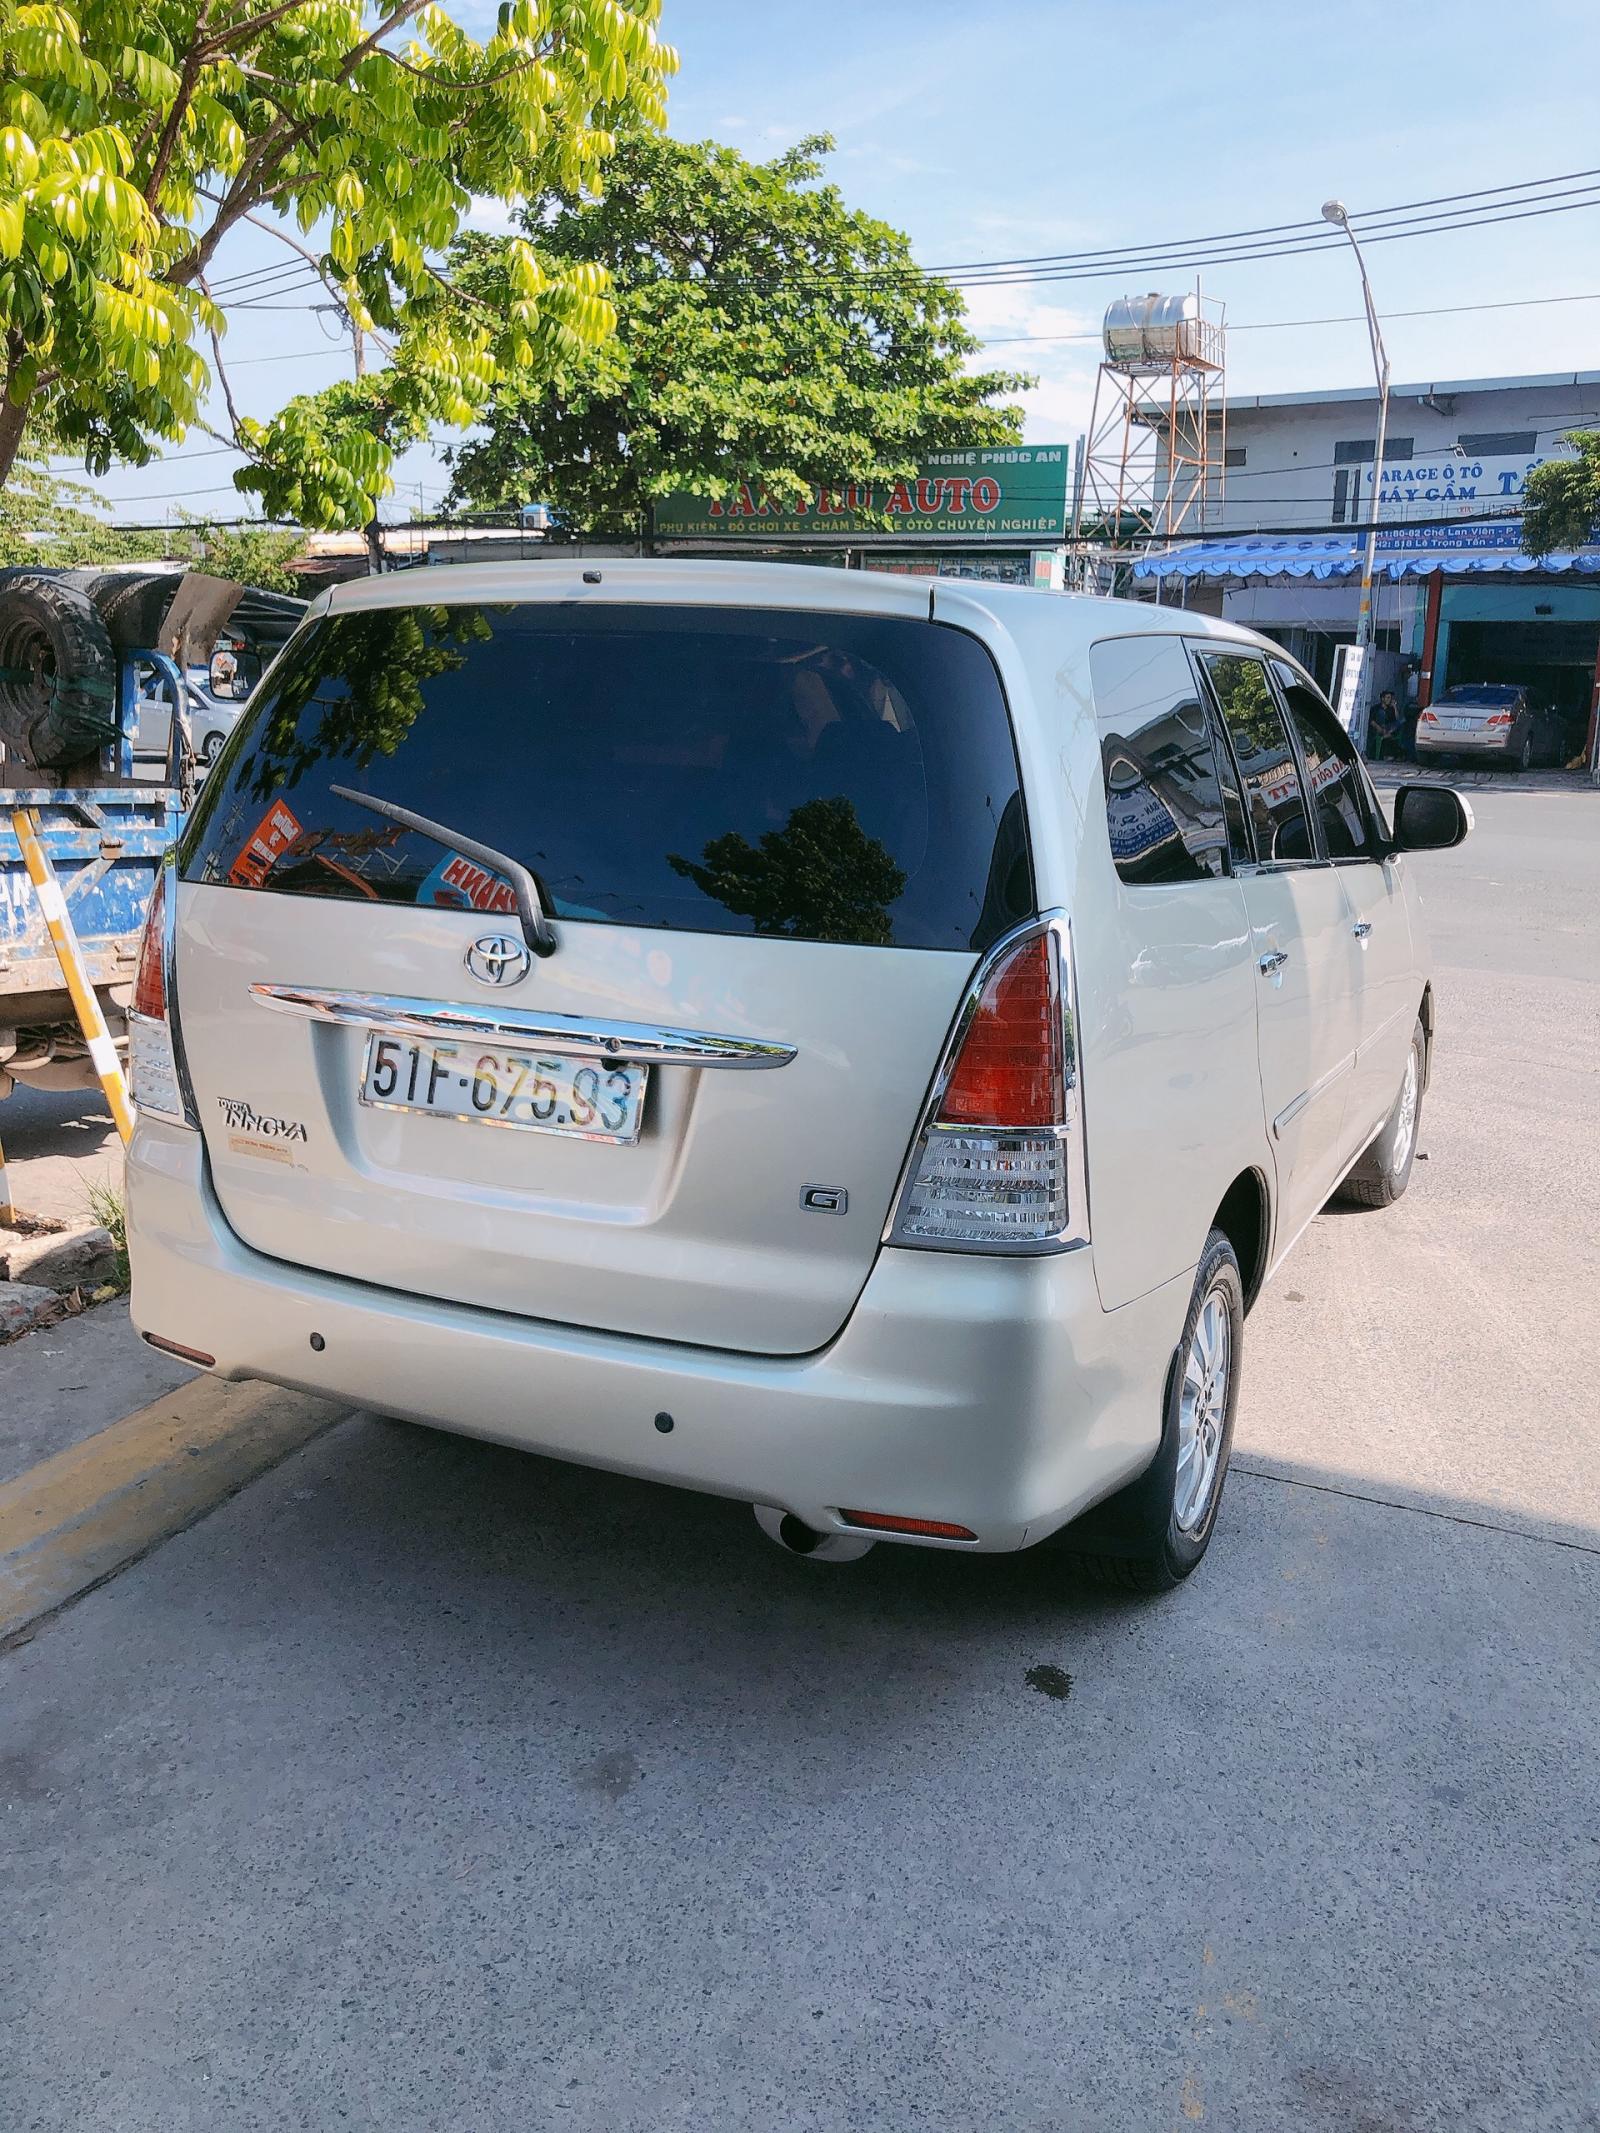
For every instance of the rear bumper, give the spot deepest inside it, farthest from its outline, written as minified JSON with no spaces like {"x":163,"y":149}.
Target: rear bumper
{"x":989,"y":1393}
{"x":1445,"y":742}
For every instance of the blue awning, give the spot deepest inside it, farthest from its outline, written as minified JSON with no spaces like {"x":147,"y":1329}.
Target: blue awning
{"x":1403,"y":552}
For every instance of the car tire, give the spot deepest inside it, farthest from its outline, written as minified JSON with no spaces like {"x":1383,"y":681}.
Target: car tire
{"x":1384,"y":1170}
{"x":58,"y":705}
{"x":1524,"y":754}
{"x":1153,"y":1533}
{"x":210,"y":748}
{"x":133,"y":605}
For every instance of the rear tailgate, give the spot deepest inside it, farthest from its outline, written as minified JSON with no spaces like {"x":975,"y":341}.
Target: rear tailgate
{"x":775,"y":831}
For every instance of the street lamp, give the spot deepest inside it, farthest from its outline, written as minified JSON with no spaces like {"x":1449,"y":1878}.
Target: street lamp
{"x":1334,"y":211}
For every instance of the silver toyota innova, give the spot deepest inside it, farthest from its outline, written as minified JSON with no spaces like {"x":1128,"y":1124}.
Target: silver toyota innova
{"x":851,"y":1044}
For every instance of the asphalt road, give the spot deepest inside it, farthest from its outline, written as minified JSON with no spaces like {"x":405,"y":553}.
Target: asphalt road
{"x":425,"y":1786}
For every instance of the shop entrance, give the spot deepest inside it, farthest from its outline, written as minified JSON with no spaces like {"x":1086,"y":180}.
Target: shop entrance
{"x":1556,"y":660}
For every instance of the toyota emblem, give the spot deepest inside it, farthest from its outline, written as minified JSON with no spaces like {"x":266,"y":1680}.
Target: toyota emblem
{"x":498,"y":959}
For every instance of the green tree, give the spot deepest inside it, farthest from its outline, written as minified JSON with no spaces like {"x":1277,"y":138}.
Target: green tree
{"x":137,"y":135}
{"x":764,"y":328}
{"x":54,"y":524}
{"x":255,"y":555}
{"x":819,"y":878}
{"x":1562,"y":508}
{"x":366,"y":677}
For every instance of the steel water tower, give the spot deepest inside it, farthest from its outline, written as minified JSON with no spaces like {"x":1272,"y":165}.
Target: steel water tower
{"x":1154,"y":457}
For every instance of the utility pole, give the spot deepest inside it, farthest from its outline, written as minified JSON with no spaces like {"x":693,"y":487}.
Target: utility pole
{"x":1334,"y":211}
{"x":377,"y":560}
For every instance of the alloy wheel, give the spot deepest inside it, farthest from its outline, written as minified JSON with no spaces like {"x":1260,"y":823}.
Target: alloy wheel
{"x":1405,"y":1120}
{"x":1203,"y":1412}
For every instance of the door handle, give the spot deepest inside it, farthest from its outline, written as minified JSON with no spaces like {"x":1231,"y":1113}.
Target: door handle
{"x":1274,"y":959}
{"x":1361,"y":928}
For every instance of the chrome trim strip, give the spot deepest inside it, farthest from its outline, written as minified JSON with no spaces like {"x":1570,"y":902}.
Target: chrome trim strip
{"x":1291,"y":1111}
{"x":1371,"y":1043}
{"x":399,"y":1015}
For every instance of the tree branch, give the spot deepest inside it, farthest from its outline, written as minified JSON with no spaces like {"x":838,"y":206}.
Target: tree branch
{"x":222,"y":375}
{"x":192,"y":63}
{"x":253,"y":27}
{"x":253,"y":183}
{"x":486,"y":81}
{"x":451,"y":288}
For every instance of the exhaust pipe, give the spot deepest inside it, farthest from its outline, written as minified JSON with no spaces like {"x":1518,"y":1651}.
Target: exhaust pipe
{"x":795,"y":1537}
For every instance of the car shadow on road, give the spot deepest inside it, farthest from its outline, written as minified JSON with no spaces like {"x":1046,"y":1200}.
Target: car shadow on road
{"x":496,"y":1512}
{"x":421,"y":1538}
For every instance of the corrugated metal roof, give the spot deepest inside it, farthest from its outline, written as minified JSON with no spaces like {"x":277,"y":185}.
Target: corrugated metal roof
{"x":1332,"y":558}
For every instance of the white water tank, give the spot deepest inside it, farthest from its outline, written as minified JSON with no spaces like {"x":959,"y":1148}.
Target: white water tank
{"x":1144,"y":330}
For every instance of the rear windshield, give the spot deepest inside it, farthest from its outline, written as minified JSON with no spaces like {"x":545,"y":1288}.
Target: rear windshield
{"x":1480,"y":692}
{"x":826,"y":777}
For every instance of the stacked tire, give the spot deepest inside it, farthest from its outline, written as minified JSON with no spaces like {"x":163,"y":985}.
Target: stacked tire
{"x":61,"y":634}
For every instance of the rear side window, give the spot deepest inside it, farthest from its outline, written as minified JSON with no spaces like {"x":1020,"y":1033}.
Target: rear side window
{"x":1338,"y":786}
{"x":823,"y":777}
{"x":1274,"y":794}
{"x":1164,"y":802}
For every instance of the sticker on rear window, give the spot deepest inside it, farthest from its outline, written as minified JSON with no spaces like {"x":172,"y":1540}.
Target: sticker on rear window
{"x":462,"y":885}
{"x":266,"y":844}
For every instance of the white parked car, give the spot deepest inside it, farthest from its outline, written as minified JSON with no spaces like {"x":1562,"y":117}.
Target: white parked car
{"x":211,"y":719}
{"x":852,"y":1045}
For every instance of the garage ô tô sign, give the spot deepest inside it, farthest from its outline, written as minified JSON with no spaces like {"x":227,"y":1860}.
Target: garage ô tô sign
{"x":1017,"y":491}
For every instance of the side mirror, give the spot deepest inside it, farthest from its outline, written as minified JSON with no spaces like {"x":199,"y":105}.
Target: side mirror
{"x":1429,"y":818}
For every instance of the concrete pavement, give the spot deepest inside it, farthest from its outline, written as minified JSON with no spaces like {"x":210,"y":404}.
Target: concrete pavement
{"x":424,"y":1785}
{"x":70,"y":1380}
{"x":1443,"y":1349}
{"x":58,"y":1142}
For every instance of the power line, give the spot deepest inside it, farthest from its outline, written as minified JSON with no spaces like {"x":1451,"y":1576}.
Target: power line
{"x":1015,"y":340}
{"x":1311,"y":224}
{"x":295,"y":267}
{"x":1441,"y":215}
{"x":1555,"y":425}
{"x":336,"y":350}
{"x":1347,"y":318}
{"x":1190,"y":254}
{"x":1220,"y":257}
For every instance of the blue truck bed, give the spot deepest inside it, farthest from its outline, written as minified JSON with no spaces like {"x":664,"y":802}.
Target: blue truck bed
{"x":105,"y":843}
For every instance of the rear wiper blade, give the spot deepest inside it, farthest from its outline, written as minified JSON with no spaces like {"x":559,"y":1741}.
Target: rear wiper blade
{"x":537,"y":930}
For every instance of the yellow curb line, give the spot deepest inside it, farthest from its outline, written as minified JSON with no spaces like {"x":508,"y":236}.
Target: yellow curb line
{"x":73,"y":1521}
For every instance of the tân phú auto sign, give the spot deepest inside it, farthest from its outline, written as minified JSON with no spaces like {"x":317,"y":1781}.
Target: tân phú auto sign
{"x":1020,"y":491}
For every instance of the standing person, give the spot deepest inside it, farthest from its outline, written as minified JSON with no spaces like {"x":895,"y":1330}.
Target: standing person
{"x":1388,"y":727}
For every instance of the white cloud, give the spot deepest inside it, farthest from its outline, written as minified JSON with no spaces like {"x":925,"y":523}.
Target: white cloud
{"x":490,"y":215}
{"x":1023,"y":330}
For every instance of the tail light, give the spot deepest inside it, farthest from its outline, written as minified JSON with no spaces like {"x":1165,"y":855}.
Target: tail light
{"x":157,"y":1081}
{"x":998,"y":1161}
{"x":1427,"y":718}
{"x":1501,"y":718}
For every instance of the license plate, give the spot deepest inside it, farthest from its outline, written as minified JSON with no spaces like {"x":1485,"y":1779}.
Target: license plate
{"x":541,"y":1092}
{"x":1463,"y":725}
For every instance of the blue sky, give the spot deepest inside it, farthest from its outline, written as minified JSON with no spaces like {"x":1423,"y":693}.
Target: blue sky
{"x":990,"y":129}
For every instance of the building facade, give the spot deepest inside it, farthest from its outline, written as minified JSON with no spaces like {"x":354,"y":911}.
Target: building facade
{"x":1456,"y":599}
